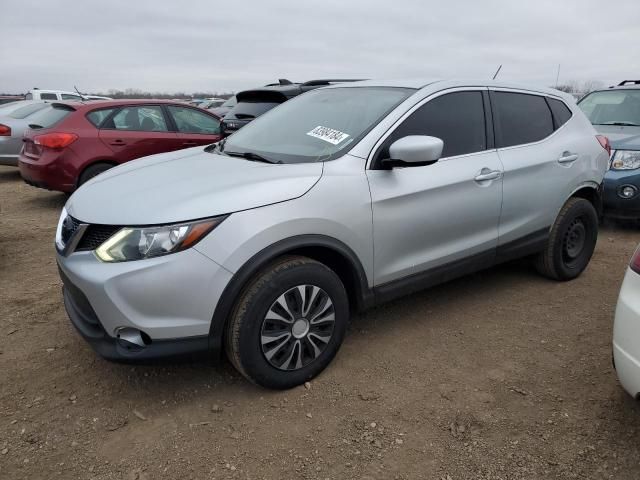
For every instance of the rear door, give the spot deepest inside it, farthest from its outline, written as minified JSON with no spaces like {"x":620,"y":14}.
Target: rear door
{"x":542,"y":160}
{"x":136,"y":131}
{"x":194,"y":127}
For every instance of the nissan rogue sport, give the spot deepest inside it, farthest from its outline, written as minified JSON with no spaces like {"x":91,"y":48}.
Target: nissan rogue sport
{"x":263,"y":244}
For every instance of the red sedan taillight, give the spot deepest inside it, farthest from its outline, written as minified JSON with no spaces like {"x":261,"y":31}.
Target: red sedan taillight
{"x":5,"y":130}
{"x":55,"y":140}
{"x":635,"y":261}
{"x":604,"y":141}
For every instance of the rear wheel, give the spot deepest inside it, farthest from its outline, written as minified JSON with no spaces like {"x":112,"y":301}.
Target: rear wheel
{"x":288,"y":323}
{"x":571,"y":242}
{"x":93,"y":171}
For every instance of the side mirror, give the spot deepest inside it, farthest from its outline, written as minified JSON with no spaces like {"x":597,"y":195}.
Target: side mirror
{"x":414,"y":150}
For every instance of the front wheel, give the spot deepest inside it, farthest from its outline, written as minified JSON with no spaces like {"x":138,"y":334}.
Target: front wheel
{"x":571,"y":242}
{"x":288,"y":323}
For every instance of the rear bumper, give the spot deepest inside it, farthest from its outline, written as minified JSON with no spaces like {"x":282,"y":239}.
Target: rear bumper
{"x":614,"y":205}
{"x":9,"y":160}
{"x":42,"y":174}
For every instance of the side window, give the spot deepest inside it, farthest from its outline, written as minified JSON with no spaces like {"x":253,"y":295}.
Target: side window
{"x":456,"y":118}
{"x":189,"y":120}
{"x":68,"y":96}
{"x":561,"y":112}
{"x":98,"y":116}
{"x":140,"y":119}
{"x":521,"y":118}
{"x":48,"y":96}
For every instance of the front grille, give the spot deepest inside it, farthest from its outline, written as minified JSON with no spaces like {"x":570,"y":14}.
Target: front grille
{"x":69,"y":227}
{"x":96,"y":235}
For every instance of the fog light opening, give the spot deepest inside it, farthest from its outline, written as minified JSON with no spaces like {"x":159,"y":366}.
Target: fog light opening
{"x":132,"y":339}
{"x":627,"y":191}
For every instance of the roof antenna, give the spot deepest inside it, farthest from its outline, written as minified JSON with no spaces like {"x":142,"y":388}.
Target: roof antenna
{"x":78,"y":92}
{"x":557,"y":76}
{"x":497,"y":72}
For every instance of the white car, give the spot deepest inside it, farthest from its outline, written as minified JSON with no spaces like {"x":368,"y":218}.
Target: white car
{"x":39,"y":94}
{"x":626,"y":329}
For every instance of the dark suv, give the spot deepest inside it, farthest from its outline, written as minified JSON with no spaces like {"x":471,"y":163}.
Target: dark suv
{"x":253,"y":103}
{"x":615,"y":112}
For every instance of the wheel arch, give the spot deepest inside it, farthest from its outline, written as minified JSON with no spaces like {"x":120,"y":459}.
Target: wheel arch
{"x":327,"y":250}
{"x":93,"y":162}
{"x":592,"y":192}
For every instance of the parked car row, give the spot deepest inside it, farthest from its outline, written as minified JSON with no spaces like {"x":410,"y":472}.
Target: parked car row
{"x":68,"y":143}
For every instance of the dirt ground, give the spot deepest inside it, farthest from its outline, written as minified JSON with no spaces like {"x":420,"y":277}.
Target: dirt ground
{"x":499,"y":375}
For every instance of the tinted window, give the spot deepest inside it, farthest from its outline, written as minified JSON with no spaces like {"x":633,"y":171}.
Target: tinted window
{"x":521,"y":118}
{"x":49,"y":116}
{"x":561,"y":112}
{"x":141,"y":119}
{"x":189,"y":120}
{"x":27,"y":110}
{"x":67,"y":96}
{"x":48,"y":96}
{"x":98,"y":116}
{"x":250,"y":110}
{"x":456,"y":118}
{"x":612,"y":107}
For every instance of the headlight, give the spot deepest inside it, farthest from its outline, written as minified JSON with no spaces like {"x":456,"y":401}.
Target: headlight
{"x":139,"y":243}
{"x":626,"y":160}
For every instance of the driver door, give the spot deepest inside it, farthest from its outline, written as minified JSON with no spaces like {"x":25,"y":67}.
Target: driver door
{"x":442,"y":218}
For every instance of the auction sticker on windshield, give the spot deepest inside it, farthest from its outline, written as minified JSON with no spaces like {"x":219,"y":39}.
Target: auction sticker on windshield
{"x":328,"y":134}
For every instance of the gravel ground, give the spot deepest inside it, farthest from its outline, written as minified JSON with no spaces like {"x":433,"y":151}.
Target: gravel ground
{"x":498,"y":375}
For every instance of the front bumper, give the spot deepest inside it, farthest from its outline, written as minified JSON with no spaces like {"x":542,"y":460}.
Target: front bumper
{"x":614,"y":205}
{"x":170,"y":299}
{"x":626,"y":334}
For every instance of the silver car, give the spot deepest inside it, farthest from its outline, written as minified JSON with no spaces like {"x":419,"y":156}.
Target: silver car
{"x":14,"y":120}
{"x":262,"y":245}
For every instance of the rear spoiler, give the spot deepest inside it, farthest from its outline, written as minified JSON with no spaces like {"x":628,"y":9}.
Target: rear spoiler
{"x":314,"y":83}
{"x":628,"y":82}
{"x":63,"y":106}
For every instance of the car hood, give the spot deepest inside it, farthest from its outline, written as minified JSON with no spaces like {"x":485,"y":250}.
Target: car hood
{"x":187,"y":185}
{"x":621,"y":138}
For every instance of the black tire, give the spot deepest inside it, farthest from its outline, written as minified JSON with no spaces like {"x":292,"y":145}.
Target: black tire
{"x":571,"y":242}
{"x":252,"y":323}
{"x":93,"y":171}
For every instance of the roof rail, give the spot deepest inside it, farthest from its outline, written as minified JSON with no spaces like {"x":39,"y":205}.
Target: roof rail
{"x":629,"y":82}
{"x":313,"y":83}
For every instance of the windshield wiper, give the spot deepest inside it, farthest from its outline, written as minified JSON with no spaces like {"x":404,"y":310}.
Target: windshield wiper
{"x":621,"y":124}
{"x":254,"y":157}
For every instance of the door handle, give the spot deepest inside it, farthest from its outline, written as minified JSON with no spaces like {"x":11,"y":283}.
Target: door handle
{"x":568,"y":157}
{"x":118,"y":143}
{"x":190,"y":144}
{"x":486,"y":174}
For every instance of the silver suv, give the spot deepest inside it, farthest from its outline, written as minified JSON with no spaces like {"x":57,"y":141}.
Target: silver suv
{"x":344,"y":197}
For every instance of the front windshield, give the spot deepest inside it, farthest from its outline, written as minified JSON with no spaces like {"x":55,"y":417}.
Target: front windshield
{"x":612,"y":107}
{"x":316,"y":126}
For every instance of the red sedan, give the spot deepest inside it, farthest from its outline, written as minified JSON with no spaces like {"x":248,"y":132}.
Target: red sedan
{"x":70,"y":142}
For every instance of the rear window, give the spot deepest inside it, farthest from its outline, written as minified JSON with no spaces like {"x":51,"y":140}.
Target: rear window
{"x":561,"y":112}
{"x":521,"y":118}
{"x":28,"y":96}
{"x":49,"y":116}
{"x":98,"y":116}
{"x":27,"y":110}
{"x":48,"y":96}
{"x":249,"y":110}
{"x":69,"y":96}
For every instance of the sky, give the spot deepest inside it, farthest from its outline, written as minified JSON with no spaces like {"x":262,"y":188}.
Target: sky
{"x":200,"y":45}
